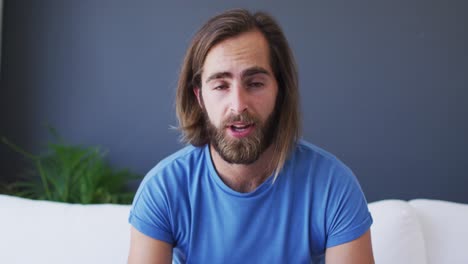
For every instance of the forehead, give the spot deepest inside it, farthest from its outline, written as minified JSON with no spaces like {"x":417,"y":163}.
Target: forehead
{"x":235,"y":54}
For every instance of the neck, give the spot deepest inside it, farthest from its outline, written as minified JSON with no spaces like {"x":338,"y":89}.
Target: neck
{"x":244,"y":178}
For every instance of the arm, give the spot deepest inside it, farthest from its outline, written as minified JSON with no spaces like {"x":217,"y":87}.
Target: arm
{"x":145,"y":250}
{"x":358,"y":251}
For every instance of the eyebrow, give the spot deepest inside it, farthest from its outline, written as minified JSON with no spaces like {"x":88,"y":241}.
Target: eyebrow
{"x":219,"y":75}
{"x":254,"y":70}
{"x":246,"y":73}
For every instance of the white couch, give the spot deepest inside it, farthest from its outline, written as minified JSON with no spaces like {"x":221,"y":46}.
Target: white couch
{"x":414,"y":232}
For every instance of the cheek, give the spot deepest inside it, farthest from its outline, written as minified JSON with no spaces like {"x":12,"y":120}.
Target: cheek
{"x":268,"y":103}
{"x":213,"y":112}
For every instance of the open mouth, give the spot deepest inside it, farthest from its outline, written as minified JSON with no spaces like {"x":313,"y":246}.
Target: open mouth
{"x":240,"y":128}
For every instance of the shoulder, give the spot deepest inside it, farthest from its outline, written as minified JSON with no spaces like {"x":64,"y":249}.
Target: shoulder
{"x":318,"y":172}
{"x":176,"y":164}
{"x":329,"y":179}
{"x":172,"y":173}
{"x":162,"y":187}
{"x":341,"y":213}
{"x":184,"y":156}
{"x":308,"y":154}
{"x":160,"y":195}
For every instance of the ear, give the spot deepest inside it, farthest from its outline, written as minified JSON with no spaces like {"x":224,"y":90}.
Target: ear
{"x":197,"y":92}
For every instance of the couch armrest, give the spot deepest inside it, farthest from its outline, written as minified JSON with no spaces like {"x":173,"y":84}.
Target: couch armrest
{"x":445,"y":228}
{"x":396,"y":233}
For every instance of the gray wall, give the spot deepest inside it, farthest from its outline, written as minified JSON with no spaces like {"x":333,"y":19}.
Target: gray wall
{"x":1,"y":19}
{"x":383,"y":83}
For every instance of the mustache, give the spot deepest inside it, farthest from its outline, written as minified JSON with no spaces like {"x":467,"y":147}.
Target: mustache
{"x":244,"y":117}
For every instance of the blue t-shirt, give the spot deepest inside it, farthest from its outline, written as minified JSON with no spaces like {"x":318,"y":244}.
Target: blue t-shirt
{"x":315,"y":203}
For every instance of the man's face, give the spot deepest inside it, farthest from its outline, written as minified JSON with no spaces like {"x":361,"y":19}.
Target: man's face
{"x":238,"y":96}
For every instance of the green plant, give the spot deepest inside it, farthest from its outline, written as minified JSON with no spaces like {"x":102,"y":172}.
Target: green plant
{"x":72,"y":174}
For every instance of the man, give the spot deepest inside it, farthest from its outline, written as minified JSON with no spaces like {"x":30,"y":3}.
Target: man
{"x":247,"y":189}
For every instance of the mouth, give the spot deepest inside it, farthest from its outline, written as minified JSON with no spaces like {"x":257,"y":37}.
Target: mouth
{"x":239,"y":130}
{"x":240,"y":127}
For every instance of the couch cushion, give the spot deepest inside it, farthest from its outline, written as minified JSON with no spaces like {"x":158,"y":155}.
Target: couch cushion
{"x":50,"y":232}
{"x":445,"y":226}
{"x":396,"y":233}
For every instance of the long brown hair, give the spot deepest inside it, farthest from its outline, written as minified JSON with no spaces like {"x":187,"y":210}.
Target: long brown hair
{"x":223,"y":26}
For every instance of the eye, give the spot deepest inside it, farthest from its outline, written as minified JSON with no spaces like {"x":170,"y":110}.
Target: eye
{"x":220,"y":87}
{"x":256,"y":84}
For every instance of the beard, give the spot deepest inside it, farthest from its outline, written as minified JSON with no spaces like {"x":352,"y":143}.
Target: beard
{"x":245,"y":150}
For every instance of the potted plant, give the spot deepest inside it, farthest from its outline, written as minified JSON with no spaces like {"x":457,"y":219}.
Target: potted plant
{"x":72,"y":174}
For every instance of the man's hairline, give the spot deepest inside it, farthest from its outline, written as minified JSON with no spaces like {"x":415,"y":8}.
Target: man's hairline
{"x":255,"y":28}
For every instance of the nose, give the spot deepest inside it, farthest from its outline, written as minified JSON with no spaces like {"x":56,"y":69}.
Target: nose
{"x":239,"y":98}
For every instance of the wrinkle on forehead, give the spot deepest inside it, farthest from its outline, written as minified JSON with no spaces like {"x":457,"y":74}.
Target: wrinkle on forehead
{"x":237,"y":53}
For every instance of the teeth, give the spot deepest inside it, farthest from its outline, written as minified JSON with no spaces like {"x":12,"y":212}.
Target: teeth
{"x":239,"y":128}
